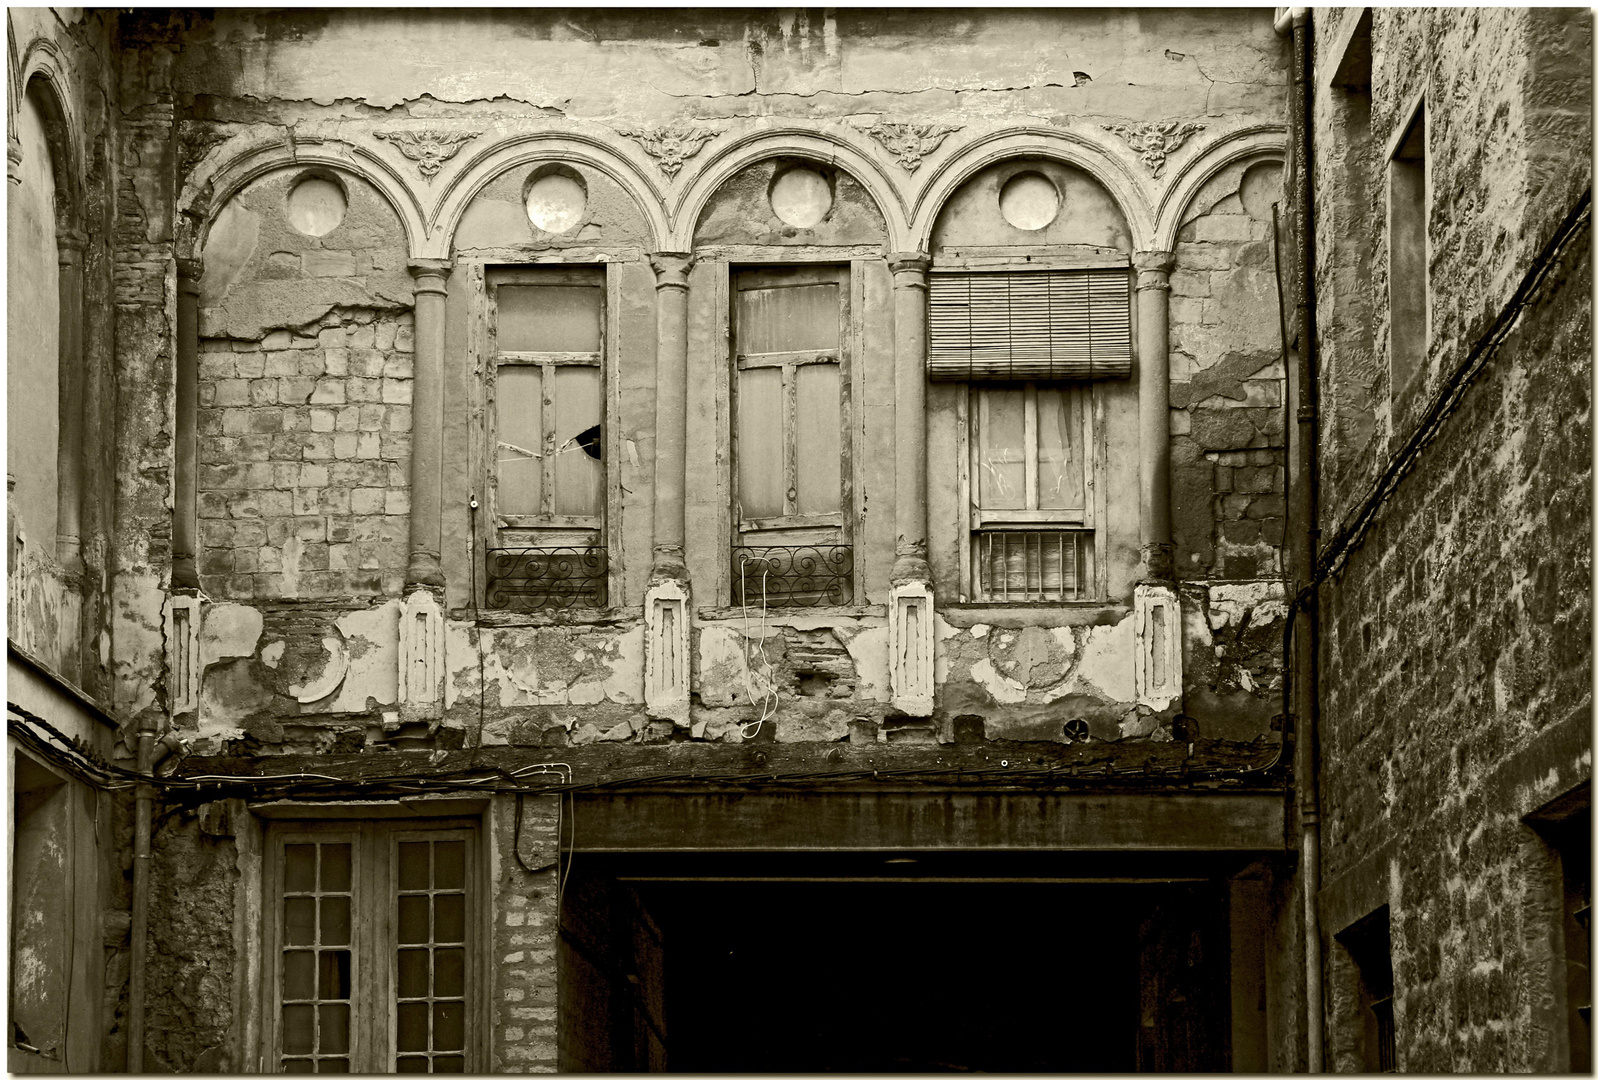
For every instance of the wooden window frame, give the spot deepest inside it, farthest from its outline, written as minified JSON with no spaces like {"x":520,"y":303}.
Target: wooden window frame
{"x":835,"y":528}
{"x":374,"y":945}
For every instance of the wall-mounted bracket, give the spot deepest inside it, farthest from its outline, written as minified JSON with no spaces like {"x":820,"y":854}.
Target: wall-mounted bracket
{"x":1158,"y":657}
{"x":666,"y":649}
{"x":910,"y":647}
{"x":183,"y":662}
{"x":421,"y":653}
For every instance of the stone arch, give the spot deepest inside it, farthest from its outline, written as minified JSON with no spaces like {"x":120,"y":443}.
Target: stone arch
{"x":1067,"y":147}
{"x":822,"y":146}
{"x":230,"y":168}
{"x":42,"y":75}
{"x":556,"y":146}
{"x":1262,"y":141}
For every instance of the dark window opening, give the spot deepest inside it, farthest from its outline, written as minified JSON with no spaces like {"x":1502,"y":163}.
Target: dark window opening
{"x":1369,"y":945}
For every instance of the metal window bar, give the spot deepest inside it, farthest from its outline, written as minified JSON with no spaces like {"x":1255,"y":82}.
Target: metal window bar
{"x":315,"y":954}
{"x":1386,"y":1040}
{"x":1015,"y":565}
{"x":810,"y":575}
{"x":547,"y":578}
{"x":430,"y":964}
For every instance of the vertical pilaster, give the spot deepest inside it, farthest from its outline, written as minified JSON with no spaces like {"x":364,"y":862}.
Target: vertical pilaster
{"x":667,"y":601}
{"x":427,"y":424}
{"x":185,"y":450}
{"x":13,"y":159}
{"x":910,"y":601}
{"x":70,"y":245}
{"x":1154,"y":411}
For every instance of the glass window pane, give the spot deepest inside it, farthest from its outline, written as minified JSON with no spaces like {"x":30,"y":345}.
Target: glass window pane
{"x":449,"y":864}
{"x":791,"y":319}
{"x":335,"y":868}
{"x":334,"y":981}
{"x":413,"y":920}
{"x":449,"y":918}
{"x":299,"y":975}
{"x":548,"y":318}
{"x":761,"y":482}
{"x":411,"y":1064}
{"x":449,"y":973}
{"x":579,"y":474}
{"x":413,"y":866}
{"x":335,"y":920}
{"x":298,"y":1065}
{"x":335,"y":1029}
{"x":299,"y":921}
{"x":519,"y":396}
{"x":299,"y":867}
{"x":1001,"y":454}
{"x":333,"y":1065}
{"x":820,"y":417}
{"x":412,"y":973}
{"x":449,"y":1025}
{"x":1060,"y":450}
{"x":411,"y":1021}
{"x":449,"y":1064}
{"x":298,"y":1022}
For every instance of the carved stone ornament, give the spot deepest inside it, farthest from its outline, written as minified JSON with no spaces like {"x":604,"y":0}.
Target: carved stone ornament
{"x":429,"y":149}
{"x":911,"y":143}
{"x":1155,"y":139}
{"x":670,"y":145}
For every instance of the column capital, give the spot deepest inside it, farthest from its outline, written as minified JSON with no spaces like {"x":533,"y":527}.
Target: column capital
{"x":190,"y":269}
{"x":671,"y":268}
{"x":914,"y":264}
{"x":430,"y":274}
{"x":70,"y":245}
{"x":1153,"y":269}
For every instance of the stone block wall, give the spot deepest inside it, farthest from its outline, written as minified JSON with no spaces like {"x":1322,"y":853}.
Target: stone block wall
{"x":304,"y":484}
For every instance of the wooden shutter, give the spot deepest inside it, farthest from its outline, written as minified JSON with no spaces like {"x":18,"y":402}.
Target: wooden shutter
{"x":1005,"y":325}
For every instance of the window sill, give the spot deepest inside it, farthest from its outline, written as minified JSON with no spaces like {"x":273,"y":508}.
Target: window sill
{"x":789,"y":614}
{"x":1037,"y":613}
{"x":586,"y":617}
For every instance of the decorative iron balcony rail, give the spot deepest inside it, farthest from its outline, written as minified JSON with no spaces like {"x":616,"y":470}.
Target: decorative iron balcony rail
{"x":815,"y":575}
{"x":547,"y":578}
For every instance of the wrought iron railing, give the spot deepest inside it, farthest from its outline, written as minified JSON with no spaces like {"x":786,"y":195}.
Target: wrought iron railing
{"x":547,"y":578}
{"x":815,"y":575}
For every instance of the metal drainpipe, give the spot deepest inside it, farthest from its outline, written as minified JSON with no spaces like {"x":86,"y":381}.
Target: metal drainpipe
{"x":138,"y":927}
{"x":1306,"y":658}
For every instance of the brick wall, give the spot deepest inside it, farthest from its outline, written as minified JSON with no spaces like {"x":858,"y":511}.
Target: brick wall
{"x":304,"y":460}
{"x":522,"y":953}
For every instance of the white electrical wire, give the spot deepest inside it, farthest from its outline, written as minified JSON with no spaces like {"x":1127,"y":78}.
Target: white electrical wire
{"x":768,"y":696}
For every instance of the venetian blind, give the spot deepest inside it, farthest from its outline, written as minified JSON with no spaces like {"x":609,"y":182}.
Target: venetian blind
{"x":1003,"y":325}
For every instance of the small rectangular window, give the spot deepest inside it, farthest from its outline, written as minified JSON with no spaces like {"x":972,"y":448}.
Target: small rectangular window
{"x":370,"y":948}
{"x":547,"y":477}
{"x":791,"y":401}
{"x":1369,"y":946}
{"x":1407,"y":212}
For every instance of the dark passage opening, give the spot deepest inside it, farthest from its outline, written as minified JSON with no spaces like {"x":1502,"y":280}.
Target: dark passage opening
{"x":862,"y":975}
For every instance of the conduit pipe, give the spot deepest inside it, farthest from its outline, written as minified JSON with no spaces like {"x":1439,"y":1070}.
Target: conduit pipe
{"x":138,"y":923}
{"x":1304,"y":659}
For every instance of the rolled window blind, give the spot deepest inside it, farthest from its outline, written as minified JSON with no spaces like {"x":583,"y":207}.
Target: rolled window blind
{"x":988,"y":326}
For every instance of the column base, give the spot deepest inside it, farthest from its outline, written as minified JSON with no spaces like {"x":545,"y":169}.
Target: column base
{"x":424,"y":569}
{"x":421,"y":654}
{"x":910,"y":644}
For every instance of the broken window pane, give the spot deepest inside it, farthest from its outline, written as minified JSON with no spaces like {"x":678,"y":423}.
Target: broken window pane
{"x":818,"y":415}
{"x":579,"y":474}
{"x":761,"y":481}
{"x":1060,"y":475}
{"x":519,"y":456}
{"x":548,"y":318}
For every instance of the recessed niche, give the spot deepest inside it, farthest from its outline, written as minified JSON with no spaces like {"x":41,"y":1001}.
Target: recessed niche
{"x":1029,"y":201}
{"x":316,"y":205}
{"x":801,"y":197}
{"x":1261,"y":186}
{"x":557,"y":199}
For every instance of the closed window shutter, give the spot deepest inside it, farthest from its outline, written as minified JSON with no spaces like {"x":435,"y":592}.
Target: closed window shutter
{"x":1006,"y":325}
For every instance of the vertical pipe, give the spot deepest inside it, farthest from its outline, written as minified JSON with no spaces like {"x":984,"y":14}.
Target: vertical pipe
{"x":70,"y":245}
{"x":671,"y":405}
{"x":1154,"y":411}
{"x":427,"y":424}
{"x":185,"y":573}
{"x":139,"y":920}
{"x":909,"y":270}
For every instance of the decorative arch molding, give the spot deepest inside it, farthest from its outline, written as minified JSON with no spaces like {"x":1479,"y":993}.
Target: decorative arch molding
{"x":229,"y":168}
{"x":827,"y":146}
{"x":1263,"y":141}
{"x":43,"y":62}
{"x":568,"y":147}
{"x":1073,"y":148}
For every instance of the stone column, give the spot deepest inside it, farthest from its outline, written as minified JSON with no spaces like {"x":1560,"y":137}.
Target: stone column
{"x":910,"y":591}
{"x":70,"y":245}
{"x":13,"y":159}
{"x":1158,"y":627}
{"x":427,"y":425}
{"x":667,"y":601}
{"x":1154,"y":410}
{"x":185,"y":450}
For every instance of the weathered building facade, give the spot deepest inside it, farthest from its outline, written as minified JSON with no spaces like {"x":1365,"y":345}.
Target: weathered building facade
{"x":567,"y":519}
